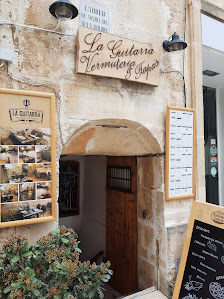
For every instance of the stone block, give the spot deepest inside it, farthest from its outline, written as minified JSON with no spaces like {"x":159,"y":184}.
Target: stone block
{"x":139,"y":233}
{"x":166,"y":285}
{"x":162,"y":263}
{"x":153,"y":259}
{"x":145,"y":203}
{"x":159,"y":207}
{"x":148,"y":235}
{"x":175,"y":235}
{"x":143,"y":252}
{"x":145,"y":172}
{"x":147,"y":274}
{"x":158,"y":167}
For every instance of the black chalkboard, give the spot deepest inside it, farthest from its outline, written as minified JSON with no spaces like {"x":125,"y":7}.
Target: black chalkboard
{"x":204,"y":272}
{"x":68,"y":188}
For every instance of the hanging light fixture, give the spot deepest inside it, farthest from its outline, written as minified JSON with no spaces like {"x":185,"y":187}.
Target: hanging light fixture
{"x":63,"y":10}
{"x":176,"y":44}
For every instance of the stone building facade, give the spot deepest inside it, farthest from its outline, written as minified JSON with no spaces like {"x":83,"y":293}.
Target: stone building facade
{"x":89,"y":108}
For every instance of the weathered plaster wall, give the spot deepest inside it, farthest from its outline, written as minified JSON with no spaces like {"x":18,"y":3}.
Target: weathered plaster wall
{"x":46,"y":62}
{"x":48,"y":57}
{"x":152,"y":255}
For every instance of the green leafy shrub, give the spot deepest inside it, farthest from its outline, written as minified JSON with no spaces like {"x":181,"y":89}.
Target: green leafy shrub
{"x":49,"y":269}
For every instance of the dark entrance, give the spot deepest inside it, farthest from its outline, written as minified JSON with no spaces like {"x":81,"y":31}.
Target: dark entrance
{"x":98,"y":199}
{"x":210,"y":135}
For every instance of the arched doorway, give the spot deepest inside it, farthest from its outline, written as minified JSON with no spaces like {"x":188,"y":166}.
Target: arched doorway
{"x":116,"y":163}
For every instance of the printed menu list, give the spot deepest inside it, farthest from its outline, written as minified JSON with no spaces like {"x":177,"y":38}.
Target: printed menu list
{"x":204,"y":271}
{"x":181,"y":153}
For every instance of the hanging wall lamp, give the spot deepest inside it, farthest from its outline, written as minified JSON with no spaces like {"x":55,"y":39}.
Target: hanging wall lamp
{"x":176,"y":44}
{"x":63,"y":10}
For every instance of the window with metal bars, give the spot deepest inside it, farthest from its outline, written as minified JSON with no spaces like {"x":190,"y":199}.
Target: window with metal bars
{"x":119,"y":178}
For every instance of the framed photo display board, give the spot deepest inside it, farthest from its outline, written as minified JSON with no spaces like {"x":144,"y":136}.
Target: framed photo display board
{"x":200,"y":273}
{"x":27,"y":158}
{"x":180,"y":153}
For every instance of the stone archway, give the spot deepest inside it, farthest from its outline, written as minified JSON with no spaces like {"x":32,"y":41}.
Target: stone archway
{"x":112,"y":137}
{"x":120,"y":137}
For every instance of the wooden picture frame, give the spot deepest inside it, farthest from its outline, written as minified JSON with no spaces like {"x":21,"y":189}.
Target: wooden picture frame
{"x":27,"y":158}
{"x":202,"y":257}
{"x":184,"y":191}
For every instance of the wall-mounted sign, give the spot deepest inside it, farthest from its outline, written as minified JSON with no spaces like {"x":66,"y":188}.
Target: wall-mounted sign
{"x":201,"y":269}
{"x":180,"y":153}
{"x":27,"y":158}
{"x":68,"y":188}
{"x":94,"y":16}
{"x":112,"y":56}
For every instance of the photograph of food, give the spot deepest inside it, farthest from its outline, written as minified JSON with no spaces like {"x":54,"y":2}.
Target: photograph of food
{"x":27,"y":191}
{"x":43,"y":154}
{"x":29,"y":136}
{"x":27,"y":154}
{"x":9,"y":193}
{"x":25,"y":210}
{"x":8,"y":154}
{"x":43,"y":190}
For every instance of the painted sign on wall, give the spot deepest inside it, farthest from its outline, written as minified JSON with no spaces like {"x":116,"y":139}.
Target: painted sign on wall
{"x":94,"y":16}
{"x":180,"y":153}
{"x":27,"y":158}
{"x":112,"y":56}
{"x":201,"y":269}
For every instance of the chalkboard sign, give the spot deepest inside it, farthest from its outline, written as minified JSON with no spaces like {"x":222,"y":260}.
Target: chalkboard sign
{"x":68,"y":188}
{"x":201,"y":272}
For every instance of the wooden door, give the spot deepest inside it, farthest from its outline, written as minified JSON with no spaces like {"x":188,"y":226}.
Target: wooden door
{"x":121,"y":243}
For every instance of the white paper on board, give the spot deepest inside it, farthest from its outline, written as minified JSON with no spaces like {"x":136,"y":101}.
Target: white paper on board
{"x":189,"y":181}
{"x":181,"y":153}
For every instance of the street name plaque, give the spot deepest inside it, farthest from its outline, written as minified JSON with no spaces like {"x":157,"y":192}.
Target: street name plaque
{"x":201,"y":272}
{"x":94,"y":16}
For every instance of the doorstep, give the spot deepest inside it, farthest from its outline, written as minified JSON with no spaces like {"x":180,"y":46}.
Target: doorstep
{"x":151,"y":293}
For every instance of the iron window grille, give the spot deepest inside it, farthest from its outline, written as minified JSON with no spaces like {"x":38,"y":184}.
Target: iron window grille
{"x":119,"y":178}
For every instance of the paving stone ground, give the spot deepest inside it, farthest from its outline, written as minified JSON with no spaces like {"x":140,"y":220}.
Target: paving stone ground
{"x":150,"y":293}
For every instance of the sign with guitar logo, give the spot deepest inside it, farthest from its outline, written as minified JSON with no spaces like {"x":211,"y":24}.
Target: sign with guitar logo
{"x":27,"y":158}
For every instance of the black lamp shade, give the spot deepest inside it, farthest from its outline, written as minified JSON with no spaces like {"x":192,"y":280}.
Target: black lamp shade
{"x":63,"y":9}
{"x":176,"y":44}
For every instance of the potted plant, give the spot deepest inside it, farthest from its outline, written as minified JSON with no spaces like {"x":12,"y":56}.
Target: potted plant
{"x":49,"y":269}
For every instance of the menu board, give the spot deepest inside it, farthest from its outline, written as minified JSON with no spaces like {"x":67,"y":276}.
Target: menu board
{"x":180,"y":153}
{"x":27,"y":158}
{"x":201,"y":273}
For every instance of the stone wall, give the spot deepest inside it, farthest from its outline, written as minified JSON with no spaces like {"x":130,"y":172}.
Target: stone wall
{"x":152,"y":254}
{"x":45,"y":61}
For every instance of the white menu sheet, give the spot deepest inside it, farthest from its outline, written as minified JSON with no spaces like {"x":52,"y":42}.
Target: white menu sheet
{"x":181,"y":142}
